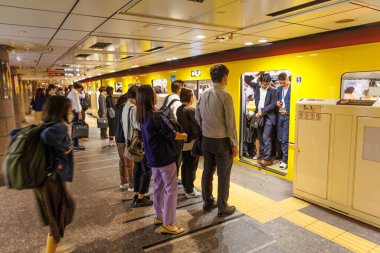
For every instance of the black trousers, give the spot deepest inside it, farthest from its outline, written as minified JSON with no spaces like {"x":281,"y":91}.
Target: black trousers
{"x":188,"y":170}
{"x":142,"y":173}
{"x":75,"y":120}
{"x":217,"y":154}
{"x":265,"y":137}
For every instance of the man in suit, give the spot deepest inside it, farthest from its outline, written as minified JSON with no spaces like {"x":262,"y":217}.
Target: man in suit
{"x":102,"y":112}
{"x":266,"y":106}
{"x":283,"y":104}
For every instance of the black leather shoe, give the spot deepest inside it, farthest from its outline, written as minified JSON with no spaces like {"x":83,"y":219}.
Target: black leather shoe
{"x":228,"y":211}
{"x":208,"y":206}
{"x":79,"y":148}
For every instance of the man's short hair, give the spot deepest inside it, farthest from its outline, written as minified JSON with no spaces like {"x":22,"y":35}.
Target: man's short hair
{"x":102,"y":89}
{"x":282,"y":76}
{"x":217,"y":72}
{"x":177,"y":85}
{"x":185,"y":95}
{"x":265,"y":78}
{"x":51,"y":87}
{"x":77,"y":85}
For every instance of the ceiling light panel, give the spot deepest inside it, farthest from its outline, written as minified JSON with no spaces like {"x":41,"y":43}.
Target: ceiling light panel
{"x":19,"y":16}
{"x":322,"y":12}
{"x":82,"y":23}
{"x":361,"y":16}
{"x":290,"y":31}
{"x":35,"y":32}
{"x":99,"y":8}
{"x":62,"y":6}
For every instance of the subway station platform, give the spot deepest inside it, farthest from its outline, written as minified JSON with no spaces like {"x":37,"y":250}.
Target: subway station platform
{"x":268,"y":219}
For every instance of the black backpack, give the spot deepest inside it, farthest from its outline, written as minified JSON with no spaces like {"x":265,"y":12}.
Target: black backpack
{"x":176,"y":145}
{"x":165,"y":109}
{"x":84,"y":102}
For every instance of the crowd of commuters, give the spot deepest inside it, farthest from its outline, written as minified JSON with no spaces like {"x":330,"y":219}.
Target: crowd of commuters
{"x":266,"y":132}
{"x":168,"y":135}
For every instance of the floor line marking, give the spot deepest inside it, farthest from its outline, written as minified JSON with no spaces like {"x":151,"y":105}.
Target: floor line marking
{"x":98,"y":161}
{"x":113,"y":166}
{"x":190,"y":234}
{"x":262,"y":246}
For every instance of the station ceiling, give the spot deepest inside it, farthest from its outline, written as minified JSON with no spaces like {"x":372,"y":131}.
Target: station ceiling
{"x":95,"y":37}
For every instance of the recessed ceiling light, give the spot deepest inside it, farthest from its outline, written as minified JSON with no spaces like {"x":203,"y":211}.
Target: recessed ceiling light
{"x":135,"y":66}
{"x":108,"y":63}
{"x":77,"y":70}
{"x":200,"y":36}
{"x":112,"y":71}
{"x":263,"y":40}
{"x":343,"y":21}
{"x":98,"y":74}
{"x":174,"y":58}
{"x":168,"y":59}
{"x":299,"y":56}
{"x":248,"y":43}
{"x":160,"y":28}
{"x":313,"y":54}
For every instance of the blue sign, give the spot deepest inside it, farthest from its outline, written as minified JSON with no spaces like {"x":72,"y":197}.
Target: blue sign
{"x":173,"y":78}
{"x":299,"y":79}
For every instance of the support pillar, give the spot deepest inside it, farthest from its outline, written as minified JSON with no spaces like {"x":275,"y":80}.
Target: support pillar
{"x":26,"y":95}
{"x":18,"y":102}
{"x":7,"y":119}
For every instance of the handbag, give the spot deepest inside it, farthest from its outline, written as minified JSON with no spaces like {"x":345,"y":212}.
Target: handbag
{"x":102,"y":122}
{"x":257,"y":121}
{"x":80,"y":130}
{"x":134,"y":149}
{"x":111,"y":112}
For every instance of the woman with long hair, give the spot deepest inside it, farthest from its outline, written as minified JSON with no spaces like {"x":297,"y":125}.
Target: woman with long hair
{"x":111,"y":118}
{"x":37,"y":104}
{"x":142,"y":172}
{"x":161,"y":155}
{"x":56,"y":204}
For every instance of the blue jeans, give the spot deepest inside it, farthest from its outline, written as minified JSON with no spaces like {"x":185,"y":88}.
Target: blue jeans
{"x":75,"y":120}
{"x":283,"y":135}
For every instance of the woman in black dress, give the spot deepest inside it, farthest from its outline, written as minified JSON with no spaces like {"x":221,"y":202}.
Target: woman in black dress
{"x":111,"y":116}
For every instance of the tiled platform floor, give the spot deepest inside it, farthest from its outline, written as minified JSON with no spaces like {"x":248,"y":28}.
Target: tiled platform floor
{"x":269,"y":218}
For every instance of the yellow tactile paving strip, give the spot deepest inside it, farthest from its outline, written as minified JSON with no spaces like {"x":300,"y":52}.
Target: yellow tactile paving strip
{"x":264,"y":209}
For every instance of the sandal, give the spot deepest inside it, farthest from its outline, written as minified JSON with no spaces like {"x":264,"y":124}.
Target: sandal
{"x":157,"y":221}
{"x":178,"y":231}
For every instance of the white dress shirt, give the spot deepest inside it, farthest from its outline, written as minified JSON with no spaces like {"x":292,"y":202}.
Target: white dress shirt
{"x":73,"y":96}
{"x":263,"y":95}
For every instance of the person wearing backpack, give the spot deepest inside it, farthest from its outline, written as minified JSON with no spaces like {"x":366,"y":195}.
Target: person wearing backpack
{"x":161,"y":155}
{"x":37,"y":104}
{"x":169,"y":108}
{"x":186,"y":118}
{"x":125,"y":165}
{"x":142,"y":172}
{"x":56,"y":206}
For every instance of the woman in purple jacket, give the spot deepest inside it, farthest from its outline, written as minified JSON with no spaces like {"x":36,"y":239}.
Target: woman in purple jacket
{"x":162,"y":157}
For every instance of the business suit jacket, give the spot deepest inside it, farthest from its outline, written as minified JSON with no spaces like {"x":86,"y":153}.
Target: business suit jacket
{"x":270,"y":105}
{"x":286,"y":99}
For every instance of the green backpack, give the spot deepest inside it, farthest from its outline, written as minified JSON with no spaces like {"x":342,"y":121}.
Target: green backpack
{"x":25,"y":164}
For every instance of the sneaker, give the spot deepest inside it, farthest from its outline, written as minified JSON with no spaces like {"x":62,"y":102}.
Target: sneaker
{"x":143,"y":202}
{"x":79,"y":148}
{"x":135,"y":197}
{"x":283,"y":166}
{"x":131,"y":189}
{"x":122,"y":187}
{"x":256,"y":157}
{"x":193,"y":194}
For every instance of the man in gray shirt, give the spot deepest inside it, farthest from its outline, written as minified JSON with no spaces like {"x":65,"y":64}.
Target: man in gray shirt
{"x":102,"y":112}
{"x":215,"y":114}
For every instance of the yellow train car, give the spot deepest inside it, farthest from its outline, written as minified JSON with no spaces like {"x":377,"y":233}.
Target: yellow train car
{"x":315,"y":74}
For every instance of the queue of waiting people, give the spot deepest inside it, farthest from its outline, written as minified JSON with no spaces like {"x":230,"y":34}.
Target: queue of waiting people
{"x":168,"y":139}
{"x":266,"y":132}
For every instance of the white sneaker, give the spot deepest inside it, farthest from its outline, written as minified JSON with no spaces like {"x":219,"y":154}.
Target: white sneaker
{"x":283,"y":166}
{"x":131,"y":189}
{"x":255,"y":157}
{"x":123,"y":187}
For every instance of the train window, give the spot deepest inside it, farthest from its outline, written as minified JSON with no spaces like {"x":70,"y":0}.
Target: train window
{"x":269,"y":152}
{"x":360,"y":85}
{"x":160,"y":86}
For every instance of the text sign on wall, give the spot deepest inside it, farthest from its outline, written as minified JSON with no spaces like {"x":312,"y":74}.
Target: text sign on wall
{"x":195,"y":73}
{"x":298,"y":79}
{"x":310,"y":112}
